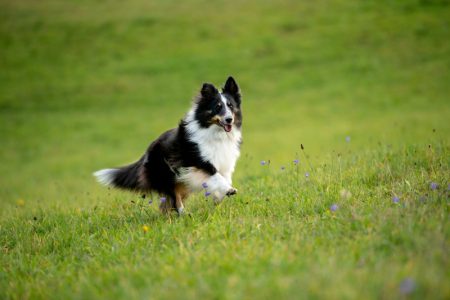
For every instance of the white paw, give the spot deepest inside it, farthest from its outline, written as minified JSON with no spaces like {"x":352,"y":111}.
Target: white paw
{"x":218,"y":186}
{"x":180,"y":211}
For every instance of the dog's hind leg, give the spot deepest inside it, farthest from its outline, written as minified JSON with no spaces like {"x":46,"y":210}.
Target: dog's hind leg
{"x":167,"y":204}
{"x":179,"y":203}
{"x":181,"y":193}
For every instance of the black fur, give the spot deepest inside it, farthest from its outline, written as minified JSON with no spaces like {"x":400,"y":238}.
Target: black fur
{"x":128,"y":176}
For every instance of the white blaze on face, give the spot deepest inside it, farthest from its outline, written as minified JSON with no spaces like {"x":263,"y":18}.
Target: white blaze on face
{"x":228,"y":112}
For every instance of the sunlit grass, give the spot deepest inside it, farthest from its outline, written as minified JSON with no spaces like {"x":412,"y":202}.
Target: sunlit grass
{"x":344,"y":173}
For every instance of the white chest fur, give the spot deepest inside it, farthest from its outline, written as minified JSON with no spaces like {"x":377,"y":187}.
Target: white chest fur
{"x":216,"y":146}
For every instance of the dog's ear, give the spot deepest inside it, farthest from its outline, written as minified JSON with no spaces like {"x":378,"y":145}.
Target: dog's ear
{"x":208,"y":90}
{"x":231,"y":87}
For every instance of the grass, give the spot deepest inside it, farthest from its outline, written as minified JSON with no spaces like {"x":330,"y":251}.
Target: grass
{"x":88,"y":85}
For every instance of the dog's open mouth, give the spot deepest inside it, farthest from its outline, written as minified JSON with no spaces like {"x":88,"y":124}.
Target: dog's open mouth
{"x":226,"y":127}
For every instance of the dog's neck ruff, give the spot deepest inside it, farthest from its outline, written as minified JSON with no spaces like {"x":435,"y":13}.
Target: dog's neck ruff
{"x":216,"y":146}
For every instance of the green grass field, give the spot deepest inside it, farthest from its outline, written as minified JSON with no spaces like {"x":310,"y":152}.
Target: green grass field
{"x":363,"y":85}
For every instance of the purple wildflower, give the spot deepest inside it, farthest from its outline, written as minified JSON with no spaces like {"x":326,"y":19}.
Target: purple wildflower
{"x":150,"y":201}
{"x":334,"y":207}
{"x":395,"y":199}
{"x":263,"y":163}
{"x":163,"y":199}
{"x":347,"y":139}
{"x":204,"y":185}
{"x":448,"y":187}
{"x":296,"y":161}
{"x":207,"y":194}
{"x":307,"y":174}
{"x":407,"y":286}
{"x":434,"y":185}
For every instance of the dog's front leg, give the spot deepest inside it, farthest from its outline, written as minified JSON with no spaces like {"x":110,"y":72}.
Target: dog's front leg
{"x":219,"y":187}
{"x":227,"y":176}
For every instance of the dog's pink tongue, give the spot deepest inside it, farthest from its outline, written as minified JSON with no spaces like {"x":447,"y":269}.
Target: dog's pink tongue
{"x":227,"y":128}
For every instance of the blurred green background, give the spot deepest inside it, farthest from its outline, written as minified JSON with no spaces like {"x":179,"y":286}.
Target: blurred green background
{"x":87,"y":84}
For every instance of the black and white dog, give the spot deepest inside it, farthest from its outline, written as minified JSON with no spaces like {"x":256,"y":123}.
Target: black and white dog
{"x":200,"y":153}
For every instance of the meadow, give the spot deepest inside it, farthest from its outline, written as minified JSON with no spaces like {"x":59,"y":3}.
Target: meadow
{"x":343,"y":179}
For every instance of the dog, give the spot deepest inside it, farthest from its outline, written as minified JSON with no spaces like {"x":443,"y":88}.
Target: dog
{"x":199,"y":154}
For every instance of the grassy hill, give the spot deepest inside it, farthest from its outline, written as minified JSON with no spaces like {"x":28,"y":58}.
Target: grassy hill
{"x":363,"y":85}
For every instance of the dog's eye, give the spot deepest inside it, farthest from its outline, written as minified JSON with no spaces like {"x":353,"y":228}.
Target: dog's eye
{"x":219,"y":106}
{"x":230,"y":105}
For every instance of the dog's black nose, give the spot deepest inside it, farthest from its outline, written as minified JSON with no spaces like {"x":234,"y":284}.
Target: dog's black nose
{"x":229,"y":120}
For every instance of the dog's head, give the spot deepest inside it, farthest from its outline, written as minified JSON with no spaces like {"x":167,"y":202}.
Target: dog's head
{"x":221,"y":109}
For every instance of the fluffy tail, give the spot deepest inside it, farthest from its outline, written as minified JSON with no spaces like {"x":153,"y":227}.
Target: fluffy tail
{"x":127,"y":177}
